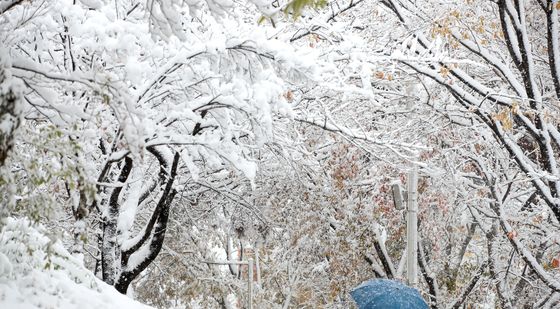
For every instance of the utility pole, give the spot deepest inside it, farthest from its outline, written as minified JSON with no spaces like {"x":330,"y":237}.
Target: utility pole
{"x":258,"y":265}
{"x":250,"y":287}
{"x":412,"y":227}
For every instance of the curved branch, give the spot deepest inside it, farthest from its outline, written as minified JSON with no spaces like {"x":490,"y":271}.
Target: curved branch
{"x":149,"y":253}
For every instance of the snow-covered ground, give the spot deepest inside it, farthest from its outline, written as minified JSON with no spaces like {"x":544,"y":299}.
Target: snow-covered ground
{"x":38,"y":272}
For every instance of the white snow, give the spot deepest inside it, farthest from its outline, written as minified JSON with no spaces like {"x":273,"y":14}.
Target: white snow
{"x":38,"y":272}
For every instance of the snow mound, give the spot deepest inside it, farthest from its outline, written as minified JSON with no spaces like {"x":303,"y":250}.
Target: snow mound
{"x":37,"y":272}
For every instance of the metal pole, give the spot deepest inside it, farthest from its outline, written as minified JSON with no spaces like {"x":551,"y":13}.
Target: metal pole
{"x":250,"y":273}
{"x":258,"y":266}
{"x":412,"y":227}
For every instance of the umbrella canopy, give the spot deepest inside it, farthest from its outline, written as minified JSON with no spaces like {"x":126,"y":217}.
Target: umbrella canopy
{"x":387,"y":294}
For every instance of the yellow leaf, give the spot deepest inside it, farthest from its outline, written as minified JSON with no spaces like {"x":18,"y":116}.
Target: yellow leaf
{"x":515,"y":108}
{"x":504,"y":118}
{"x":507,"y":124}
{"x":444,"y":71}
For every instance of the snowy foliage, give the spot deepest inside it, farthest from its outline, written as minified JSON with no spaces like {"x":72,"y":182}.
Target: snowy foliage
{"x":38,"y":272}
{"x":161,"y":136}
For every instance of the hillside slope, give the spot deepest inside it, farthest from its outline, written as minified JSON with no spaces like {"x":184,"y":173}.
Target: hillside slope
{"x":37,"y":272}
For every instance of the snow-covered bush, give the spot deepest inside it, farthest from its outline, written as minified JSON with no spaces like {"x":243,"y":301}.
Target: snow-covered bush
{"x":38,"y":272}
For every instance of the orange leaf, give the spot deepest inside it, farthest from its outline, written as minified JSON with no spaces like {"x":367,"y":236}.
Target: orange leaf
{"x":512,"y":234}
{"x":289,"y":96}
{"x":444,"y":71}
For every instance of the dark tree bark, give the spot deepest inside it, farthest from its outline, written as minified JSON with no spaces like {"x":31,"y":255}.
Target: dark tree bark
{"x":109,"y":243}
{"x":9,"y":113}
{"x":428,"y":276}
{"x":153,"y":236}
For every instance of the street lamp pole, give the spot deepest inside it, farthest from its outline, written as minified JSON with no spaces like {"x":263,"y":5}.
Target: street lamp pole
{"x":412,"y":227}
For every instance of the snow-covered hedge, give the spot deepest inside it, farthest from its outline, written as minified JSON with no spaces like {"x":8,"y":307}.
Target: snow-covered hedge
{"x":38,"y":272}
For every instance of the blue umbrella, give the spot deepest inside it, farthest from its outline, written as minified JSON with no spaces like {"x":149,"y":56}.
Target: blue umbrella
{"x":387,"y":294}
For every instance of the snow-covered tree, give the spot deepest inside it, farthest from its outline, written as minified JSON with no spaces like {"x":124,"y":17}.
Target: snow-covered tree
{"x":139,"y":98}
{"x":160,"y":136}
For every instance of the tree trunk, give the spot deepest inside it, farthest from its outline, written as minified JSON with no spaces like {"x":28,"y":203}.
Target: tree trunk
{"x":10,"y":111}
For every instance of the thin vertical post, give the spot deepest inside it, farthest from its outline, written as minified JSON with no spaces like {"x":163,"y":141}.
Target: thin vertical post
{"x":258,"y":266}
{"x":250,"y":273}
{"x":412,"y":227}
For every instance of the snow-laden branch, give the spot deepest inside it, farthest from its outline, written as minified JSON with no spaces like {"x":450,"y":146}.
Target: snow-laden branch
{"x":553,"y":44}
{"x":544,"y":174}
{"x":6,"y":5}
{"x":130,"y":246}
{"x":329,"y":125}
{"x":109,"y":242}
{"x":492,"y":60}
{"x":467,"y":289}
{"x":320,"y":24}
{"x":133,"y":263}
{"x":508,"y":231}
{"x":28,"y":69}
{"x":527,"y":256}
